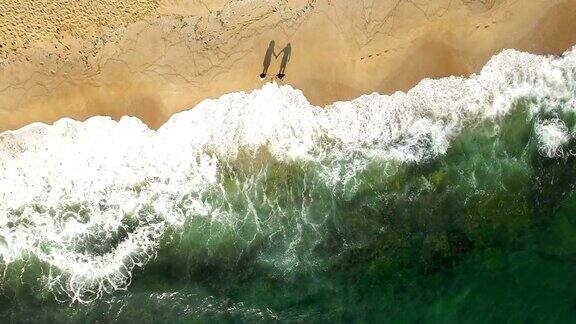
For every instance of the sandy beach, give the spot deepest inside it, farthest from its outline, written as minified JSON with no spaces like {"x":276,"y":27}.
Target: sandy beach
{"x":151,"y":59}
{"x":288,"y":161}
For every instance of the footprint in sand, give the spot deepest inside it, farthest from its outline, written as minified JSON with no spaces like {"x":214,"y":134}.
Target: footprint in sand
{"x":373,"y":55}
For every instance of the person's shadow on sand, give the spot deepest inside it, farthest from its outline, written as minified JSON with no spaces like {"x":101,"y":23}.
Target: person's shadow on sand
{"x":268,"y":59}
{"x":287,"y":53}
{"x":285,"y":59}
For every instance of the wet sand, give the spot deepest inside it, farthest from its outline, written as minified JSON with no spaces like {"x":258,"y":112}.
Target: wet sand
{"x":151,"y":59}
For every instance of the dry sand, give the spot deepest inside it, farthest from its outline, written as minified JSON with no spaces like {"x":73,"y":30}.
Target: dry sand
{"x":146,"y":58}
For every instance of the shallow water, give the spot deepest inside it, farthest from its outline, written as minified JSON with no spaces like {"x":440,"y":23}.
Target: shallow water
{"x":452,"y":202}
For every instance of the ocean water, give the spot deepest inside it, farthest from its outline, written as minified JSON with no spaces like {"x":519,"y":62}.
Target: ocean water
{"x":454,"y":202}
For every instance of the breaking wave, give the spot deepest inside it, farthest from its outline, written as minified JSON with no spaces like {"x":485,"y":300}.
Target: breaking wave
{"x":258,"y":177}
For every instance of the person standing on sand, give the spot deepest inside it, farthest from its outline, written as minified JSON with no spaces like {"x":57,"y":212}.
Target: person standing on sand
{"x":268,"y":59}
{"x":285,"y":59}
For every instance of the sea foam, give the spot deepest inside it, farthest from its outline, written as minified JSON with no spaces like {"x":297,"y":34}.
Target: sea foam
{"x":118,"y":186}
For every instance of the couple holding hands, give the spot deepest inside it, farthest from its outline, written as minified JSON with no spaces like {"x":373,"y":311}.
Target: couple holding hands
{"x":287,"y":51}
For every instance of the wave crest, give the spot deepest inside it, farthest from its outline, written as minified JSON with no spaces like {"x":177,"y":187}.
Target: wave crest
{"x":93,"y":200}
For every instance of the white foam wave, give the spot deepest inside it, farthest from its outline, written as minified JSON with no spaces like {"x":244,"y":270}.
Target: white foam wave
{"x":64,"y":187}
{"x":552,"y":135}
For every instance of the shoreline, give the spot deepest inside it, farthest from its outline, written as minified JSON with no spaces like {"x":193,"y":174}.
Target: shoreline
{"x":153,"y":68}
{"x":207,"y":101}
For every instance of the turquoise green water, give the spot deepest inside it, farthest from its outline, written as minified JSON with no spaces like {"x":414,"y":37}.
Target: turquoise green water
{"x":483,"y":234}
